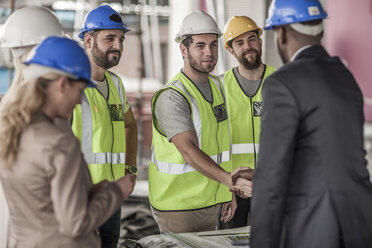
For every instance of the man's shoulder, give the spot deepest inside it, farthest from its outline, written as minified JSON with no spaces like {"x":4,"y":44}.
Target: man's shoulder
{"x":115,"y":78}
{"x":169,"y":95}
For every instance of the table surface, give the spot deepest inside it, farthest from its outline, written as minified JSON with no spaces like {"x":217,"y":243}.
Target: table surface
{"x":209,"y":239}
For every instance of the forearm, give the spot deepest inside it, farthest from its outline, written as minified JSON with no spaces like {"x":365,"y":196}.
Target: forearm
{"x":205,"y":165}
{"x":186,"y":144}
{"x":131,"y":139}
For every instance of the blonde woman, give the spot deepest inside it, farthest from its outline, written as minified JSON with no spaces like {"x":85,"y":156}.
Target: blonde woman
{"x":46,"y":182}
{"x":21,"y":36}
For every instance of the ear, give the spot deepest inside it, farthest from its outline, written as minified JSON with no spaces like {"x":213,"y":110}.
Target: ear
{"x":231,"y":51}
{"x":282,"y":35}
{"x":183,"y":50}
{"x":260,"y":41}
{"x":61,"y":84}
{"x":88,"y":40}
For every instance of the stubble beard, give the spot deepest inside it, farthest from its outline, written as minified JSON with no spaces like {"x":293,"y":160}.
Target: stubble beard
{"x":197,"y":67}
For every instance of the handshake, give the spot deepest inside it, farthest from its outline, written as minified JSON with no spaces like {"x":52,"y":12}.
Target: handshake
{"x":241,"y":185}
{"x":242,"y":182}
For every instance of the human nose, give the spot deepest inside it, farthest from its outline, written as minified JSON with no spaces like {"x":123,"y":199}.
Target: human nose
{"x":247,"y":45}
{"x":208,"y":50}
{"x":117,"y":44}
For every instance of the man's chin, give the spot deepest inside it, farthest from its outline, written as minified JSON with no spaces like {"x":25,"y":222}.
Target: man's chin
{"x":112,"y":64}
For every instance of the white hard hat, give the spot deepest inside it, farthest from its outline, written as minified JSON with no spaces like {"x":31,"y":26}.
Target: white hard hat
{"x":29,"y":26}
{"x":197,"y":22}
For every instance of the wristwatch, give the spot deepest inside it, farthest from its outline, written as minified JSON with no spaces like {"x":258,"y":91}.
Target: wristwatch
{"x":132,"y":169}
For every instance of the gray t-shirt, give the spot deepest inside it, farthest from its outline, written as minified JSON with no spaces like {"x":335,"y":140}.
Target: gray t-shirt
{"x":102,"y":87}
{"x":249,"y":87}
{"x":173,"y":112}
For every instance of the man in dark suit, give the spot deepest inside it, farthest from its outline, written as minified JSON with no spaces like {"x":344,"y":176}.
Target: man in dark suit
{"x":311,"y":188}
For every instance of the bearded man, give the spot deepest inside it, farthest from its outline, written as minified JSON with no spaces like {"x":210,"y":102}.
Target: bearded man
{"x":243,"y":86}
{"x":104,"y":122}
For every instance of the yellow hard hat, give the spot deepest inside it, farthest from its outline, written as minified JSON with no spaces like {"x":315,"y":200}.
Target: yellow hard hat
{"x":238,"y":25}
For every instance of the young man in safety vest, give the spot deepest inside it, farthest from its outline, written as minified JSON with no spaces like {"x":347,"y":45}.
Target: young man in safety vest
{"x":104,"y":122}
{"x":243,"y":85}
{"x":189,"y":173}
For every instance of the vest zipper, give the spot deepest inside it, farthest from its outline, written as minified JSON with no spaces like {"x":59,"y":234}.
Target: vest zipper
{"x":254,"y":140}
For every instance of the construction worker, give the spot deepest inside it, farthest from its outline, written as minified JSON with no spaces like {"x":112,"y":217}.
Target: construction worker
{"x":21,"y":36}
{"x":243,"y":86}
{"x":43,"y":173}
{"x":311,"y":186}
{"x":189,"y":173}
{"x":104,"y":122}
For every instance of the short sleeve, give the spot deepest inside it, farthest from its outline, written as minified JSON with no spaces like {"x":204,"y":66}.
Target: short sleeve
{"x":173,"y":113}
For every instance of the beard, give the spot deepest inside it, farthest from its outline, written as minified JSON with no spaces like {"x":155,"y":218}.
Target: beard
{"x":102,"y":59}
{"x":253,"y":63}
{"x":198,"y":67}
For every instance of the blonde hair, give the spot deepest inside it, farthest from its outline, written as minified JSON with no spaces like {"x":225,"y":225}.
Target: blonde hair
{"x":23,"y":102}
{"x":18,"y":75}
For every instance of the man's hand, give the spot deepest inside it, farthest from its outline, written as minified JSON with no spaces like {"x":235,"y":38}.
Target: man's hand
{"x":126,"y":184}
{"x":132,"y":176}
{"x":242,"y":188}
{"x":228,"y":210}
{"x":242,"y":172}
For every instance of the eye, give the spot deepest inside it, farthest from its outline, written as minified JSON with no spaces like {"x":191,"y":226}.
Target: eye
{"x":239,"y":43}
{"x":252,"y":39}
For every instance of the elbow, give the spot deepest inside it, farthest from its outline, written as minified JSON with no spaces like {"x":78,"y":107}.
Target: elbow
{"x":73,"y":230}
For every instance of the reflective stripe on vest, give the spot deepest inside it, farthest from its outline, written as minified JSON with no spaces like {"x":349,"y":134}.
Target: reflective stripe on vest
{"x":105,"y":158}
{"x":177,"y":169}
{"x":244,"y":148}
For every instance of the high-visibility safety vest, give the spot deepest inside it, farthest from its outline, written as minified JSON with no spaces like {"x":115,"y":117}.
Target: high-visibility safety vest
{"x":175,"y":185}
{"x":245,"y":119}
{"x":100,"y":127}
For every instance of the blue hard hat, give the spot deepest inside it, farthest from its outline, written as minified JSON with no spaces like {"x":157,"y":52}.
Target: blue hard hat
{"x":103,"y":17}
{"x":282,"y":12}
{"x":65,"y":55}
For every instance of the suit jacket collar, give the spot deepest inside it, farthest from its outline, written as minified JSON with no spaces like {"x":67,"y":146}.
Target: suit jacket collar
{"x":316,"y":51}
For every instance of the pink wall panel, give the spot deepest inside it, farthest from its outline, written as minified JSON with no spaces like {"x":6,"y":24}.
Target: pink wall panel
{"x":349,"y":36}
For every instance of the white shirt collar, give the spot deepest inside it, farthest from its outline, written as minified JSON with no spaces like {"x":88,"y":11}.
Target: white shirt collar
{"x":299,"y":51}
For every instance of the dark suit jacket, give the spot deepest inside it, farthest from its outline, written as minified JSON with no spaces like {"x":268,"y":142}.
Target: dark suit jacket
{"x":311,"y":180}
